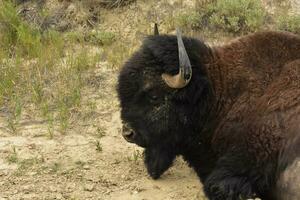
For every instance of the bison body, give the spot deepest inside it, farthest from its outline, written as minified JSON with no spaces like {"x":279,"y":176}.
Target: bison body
{"x":229,"y":122}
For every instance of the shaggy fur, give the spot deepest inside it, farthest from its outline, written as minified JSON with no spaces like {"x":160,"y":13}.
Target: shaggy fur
{"x":229,"y":123}
{"x":288,"y":183}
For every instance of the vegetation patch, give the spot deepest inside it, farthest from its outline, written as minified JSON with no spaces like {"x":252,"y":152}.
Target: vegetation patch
{"x":100,"y":37}
{"x":39,"y":72}
{"x":289,"y":23}
{"x":233,"y":16}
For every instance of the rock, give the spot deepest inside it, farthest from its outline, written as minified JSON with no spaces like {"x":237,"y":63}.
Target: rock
{"x":32,"y":173}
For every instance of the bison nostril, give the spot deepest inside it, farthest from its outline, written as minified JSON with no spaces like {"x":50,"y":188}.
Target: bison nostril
{"x":127,"y":134}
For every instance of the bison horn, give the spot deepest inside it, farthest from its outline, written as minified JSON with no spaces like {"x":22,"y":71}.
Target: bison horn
{"x":156,"y":29}
{"x":184,"y":75}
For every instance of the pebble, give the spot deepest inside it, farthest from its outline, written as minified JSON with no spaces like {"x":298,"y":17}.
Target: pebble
{"x":32,"y":173}
{"x":52,"y":189}
{"x":26,"y":189}
{"x":86,"y":167}
{"x":59,"y":196}
{"x":71,"y":187}
{"x":135,"y":192}
{"x":89,"y":187}
{"x":3,"y":173}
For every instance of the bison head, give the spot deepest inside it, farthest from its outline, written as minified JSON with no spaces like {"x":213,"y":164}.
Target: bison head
{"x":162,"y":104}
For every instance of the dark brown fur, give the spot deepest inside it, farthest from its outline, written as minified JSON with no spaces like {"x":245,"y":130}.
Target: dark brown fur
{"x":288,"y":170}
{"x":257,"y":82}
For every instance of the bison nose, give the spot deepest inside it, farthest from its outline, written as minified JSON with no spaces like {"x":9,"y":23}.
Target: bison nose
{"x":128,"y":134}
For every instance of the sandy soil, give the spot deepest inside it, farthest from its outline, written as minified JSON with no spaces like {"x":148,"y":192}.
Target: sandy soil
{"x":69,"y":166}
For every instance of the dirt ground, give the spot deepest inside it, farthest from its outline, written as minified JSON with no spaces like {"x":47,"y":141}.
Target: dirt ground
{"x":70,"y":166}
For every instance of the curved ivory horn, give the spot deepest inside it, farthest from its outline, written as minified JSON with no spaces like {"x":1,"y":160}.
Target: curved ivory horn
{"x":156,"y":29}
{"x":184,"y":76}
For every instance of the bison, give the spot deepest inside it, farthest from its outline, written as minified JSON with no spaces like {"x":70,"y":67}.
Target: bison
{"x":227,"y":110}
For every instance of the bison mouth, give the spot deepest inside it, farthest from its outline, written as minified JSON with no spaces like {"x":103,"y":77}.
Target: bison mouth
{"x":132,"y":136}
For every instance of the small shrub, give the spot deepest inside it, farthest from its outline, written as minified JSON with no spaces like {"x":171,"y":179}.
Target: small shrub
{"x":233,"y":16}
{"x":289,"y":23}
{"x":191,"y":20}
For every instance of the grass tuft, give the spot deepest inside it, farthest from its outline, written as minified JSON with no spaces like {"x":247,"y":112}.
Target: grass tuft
{"x":13,"y":157}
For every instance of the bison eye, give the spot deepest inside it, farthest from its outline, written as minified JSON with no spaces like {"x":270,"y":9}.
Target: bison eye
{"x":153,"y":98}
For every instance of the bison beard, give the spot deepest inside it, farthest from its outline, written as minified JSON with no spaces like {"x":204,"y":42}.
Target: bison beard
{"x":229,"y":122}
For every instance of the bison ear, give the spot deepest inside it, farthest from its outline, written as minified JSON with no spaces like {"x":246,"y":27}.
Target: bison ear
{"x":184,"y":75}
{"x":155,"y":29}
